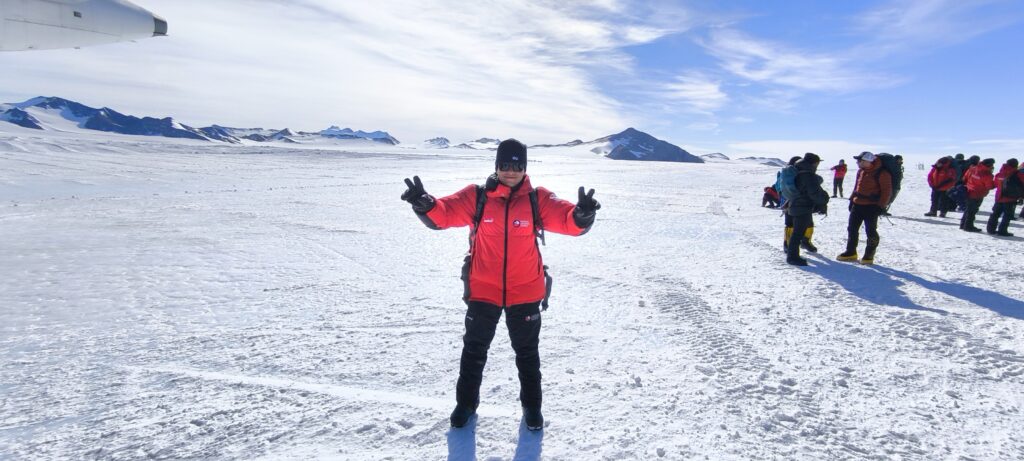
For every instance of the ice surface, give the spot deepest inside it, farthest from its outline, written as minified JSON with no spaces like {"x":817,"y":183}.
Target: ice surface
{"x":176,"y":300}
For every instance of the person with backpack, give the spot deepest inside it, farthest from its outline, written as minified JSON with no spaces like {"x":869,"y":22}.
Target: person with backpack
{"x":979,"y":182}
{"x":504,"y":271}
{"x":871,"y":194}
{"x":1009,"y":189}
{"x":941,"y":179}
{"x":770,"y":197}
{"x":895,"y":167}
{"x":837,"y":178}
{"x":786,"y":177}
{"x":806,"y":197}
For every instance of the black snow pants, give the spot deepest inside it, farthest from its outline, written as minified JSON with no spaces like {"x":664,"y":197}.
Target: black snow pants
{"x":800,"y":225}
{"x":1004,"y":210}
{"x":941,"y":203}
{"x":868,"y":216}
{"x":523,"y":322}
{"x":967,"y":220}
{"x":837,"y":185}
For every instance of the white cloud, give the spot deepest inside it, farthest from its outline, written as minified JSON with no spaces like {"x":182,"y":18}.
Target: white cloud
{"x":775,"y":63}
{"x":419,"y":69}
{"x":902,"y":26}
{"x":703,"y":126}
{"x":699,"y":92}
{"x":784,"y":149}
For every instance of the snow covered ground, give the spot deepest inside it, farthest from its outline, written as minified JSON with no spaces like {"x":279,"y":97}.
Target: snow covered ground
{"x":173,"y":300}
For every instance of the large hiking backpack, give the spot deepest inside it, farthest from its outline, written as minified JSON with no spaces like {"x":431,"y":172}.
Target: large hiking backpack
{"x":1013,"y":187}
{"x":538,"y":233}
{"x":787,"y":183}
{"x":890,"y":164}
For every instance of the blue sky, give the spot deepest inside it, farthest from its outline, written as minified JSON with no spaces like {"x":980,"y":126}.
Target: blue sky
{"x":741,"y":77}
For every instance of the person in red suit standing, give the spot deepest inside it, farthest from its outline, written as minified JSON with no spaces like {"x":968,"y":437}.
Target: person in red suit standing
{"x":837,"y":178}
{"x":1008,"y":190}
{"x":504,"y":272}
{"x":941,"y":179}
{"x":979,"y":182}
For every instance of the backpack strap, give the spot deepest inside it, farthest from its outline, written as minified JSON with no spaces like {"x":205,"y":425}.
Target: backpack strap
{"x":481,"y":200}
{"x":538,"y":224}
{"x":538,"y":232}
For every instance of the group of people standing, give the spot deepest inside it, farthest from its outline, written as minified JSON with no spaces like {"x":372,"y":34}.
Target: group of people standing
{"x":798,"y":191}
{"x":969,"y":181}
{"x":803,"y":196}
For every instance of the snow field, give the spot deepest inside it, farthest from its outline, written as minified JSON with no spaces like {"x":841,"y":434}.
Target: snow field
{"x":175,"y":301}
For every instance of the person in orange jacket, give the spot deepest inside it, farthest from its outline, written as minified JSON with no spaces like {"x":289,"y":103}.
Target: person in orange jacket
{"x":872,"y":189}
{"x":941,"y":179}
{"x":837,"y":178}
{"x":504,"y":271}
{"x":979,"y":182}
{"x":1006,"y":201}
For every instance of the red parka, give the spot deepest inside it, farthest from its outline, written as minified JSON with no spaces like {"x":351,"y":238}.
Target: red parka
{"x":1004,"y":173}
{"x":840,"y":170}
{"x":979,"y":181}
{"x":943,"y":176}
{"x":506,"y":267}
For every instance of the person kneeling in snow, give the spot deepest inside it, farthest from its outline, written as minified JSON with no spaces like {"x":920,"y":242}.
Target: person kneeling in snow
{"x":504,"y":271}
{"x":770,"y":197}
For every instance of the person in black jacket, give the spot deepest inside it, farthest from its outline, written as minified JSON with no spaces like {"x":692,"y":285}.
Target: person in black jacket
{"x":811,"y":198}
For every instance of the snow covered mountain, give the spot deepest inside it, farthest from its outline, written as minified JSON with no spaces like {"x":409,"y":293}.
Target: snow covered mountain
{"x":769,"y":161}
{"x":715,"y":156}
{"x":481,"y":144}
{"x":348,"y":133}
{"x":57,"y":114}
{"x":633,"y":144}
{"x":437,"y":143}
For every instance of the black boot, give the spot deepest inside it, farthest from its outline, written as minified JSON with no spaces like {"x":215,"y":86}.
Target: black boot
{"x":869,"y":252}
{"x":460,"y":415}
{"x":534,"y":420}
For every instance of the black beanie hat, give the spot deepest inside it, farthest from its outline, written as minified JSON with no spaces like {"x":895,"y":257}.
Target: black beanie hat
{"x":1012,"y":162}
{"x":510,"y":151}
{"x":811,"y":157}
{"x":991,"y":162}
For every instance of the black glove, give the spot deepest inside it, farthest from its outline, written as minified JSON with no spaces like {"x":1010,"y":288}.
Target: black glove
{"x":421,"y":201}
{"x":586,"y":209}
{"x":822,"y":209}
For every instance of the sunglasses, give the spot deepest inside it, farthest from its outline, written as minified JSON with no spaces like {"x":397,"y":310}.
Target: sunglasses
{"x":511,"y":166}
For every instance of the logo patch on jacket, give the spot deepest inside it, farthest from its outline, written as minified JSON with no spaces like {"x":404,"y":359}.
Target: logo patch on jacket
{"x":520,"y":223}
{"x":488,"y":220}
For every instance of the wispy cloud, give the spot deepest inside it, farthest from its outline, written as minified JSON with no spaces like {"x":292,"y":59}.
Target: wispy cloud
{"x":920,"y":25}
{"x":519,"y":68}
{"x":697,"y":91}
{"x":828,"y":149}
{"x":775,"y":63}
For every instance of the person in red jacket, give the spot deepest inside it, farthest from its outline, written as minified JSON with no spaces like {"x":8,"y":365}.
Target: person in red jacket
{"x":979,"y":182}
{"x":941,"y":179}
{"x":837,"y":178}
{"x":1005,"y":202}
{"x":504,"y":271}
{"x":770,"y":197}
{"x":871,"y":192}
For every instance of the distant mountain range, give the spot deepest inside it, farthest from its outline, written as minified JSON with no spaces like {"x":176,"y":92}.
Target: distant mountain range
{"x":57,"y":114}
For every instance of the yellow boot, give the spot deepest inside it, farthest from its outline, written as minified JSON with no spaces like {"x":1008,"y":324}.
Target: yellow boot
{"x":806,"y":243}
{"x":785,"y":239}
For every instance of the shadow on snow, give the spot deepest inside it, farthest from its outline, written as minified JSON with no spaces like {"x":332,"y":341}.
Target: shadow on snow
{"x":462,"y":443}
{"x":873,"y":286}
{"x":991,"y":300}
